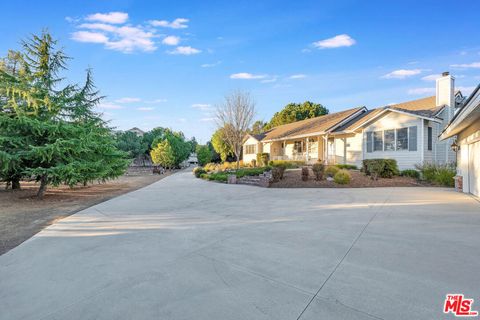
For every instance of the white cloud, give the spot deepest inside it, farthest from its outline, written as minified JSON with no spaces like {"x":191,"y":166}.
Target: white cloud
{"x":342,"y":40}
{"x":179,"y":23}
{"x":431,"y":77}
{"x":128,"y":100}
{"x":111,"y":17}
{"x":156,"y":101}
{"x":145,"y":109}
{"x":211,"y":65}
{"x":465,"y":90}
{"x":171,"y":40}
{"x":91,"y":37}
{"x":402,"y":73}
{"x":98,"y":26}
{"x":247,"y":76}
{"x":109,"y":106}
{"x":475,"y":65}
{"x":421,"y":91}
{"x":186,"y":50}
{"x":202,"y":106}
{"x":298,"y":76}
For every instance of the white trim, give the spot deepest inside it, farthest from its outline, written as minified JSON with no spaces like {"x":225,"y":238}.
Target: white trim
{"x":422,"y":155}
{"x":398,"y":111}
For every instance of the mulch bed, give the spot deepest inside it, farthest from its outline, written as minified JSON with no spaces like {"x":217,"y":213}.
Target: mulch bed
{"x":293,"y":179}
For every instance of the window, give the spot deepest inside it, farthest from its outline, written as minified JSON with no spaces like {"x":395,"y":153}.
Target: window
{"x":412,"y":138}
{"x":389,"y":138}
{"x":429,"y":139}
{"x":378,"y":141}
{"x":402,"y":139}
{"x":250,"y":149}
{"x":297,"y":147}
{"x":369,"y":141}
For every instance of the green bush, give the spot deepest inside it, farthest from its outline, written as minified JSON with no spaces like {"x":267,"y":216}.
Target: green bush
{"x":342,"y":177}
{"x":438,"y":174}
{"x":251,"y":171}
{"x":289,"y":164}
{"x":410,"y":173}
{"x":346,"y":166}
{"x":218,"y":176}
{"x":385,"y":168}
{"x":331,"y":171}
{"x":198,"y":171}
{"x":319,"y":170}
{"x":262,"y":159}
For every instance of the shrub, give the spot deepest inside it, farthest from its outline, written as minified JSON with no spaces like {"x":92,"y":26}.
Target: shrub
{"x":331,"y":171}
{"x":410,"y":173}
{"x":305,"y":173}
{"x":277,"y":173}
{"x":211,"y":167}
{"x":198,"y":171}
{"x":318,"y":169}
{"x":253,"y":163}
{"x":251,"y":171}
{"x":438,"y":174}
{"x":385,"y":168}
{"x":262,"y":159}
{"x":346,"y":166}
{"x":342,"y":177}
{"x":289,"y":164}
{"x":218,"y":176}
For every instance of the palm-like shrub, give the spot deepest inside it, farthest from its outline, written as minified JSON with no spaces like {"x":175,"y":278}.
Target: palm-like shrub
{"x":342,"y":177}
{"x":318,"y":169}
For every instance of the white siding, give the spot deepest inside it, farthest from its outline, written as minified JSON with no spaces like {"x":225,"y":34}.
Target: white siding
{"x":393,"y":120}
{"x":466,"y":138}
{"x":354,"y":150}
{"x":247,"y":158}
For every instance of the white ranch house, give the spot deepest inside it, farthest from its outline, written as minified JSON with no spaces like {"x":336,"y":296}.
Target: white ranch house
{"x":407,"y":132}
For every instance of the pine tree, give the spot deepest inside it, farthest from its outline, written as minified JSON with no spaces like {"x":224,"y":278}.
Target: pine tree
{"x":48,"y":132}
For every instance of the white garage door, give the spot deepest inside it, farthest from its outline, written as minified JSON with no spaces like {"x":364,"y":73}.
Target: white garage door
{"x":474,"y":168}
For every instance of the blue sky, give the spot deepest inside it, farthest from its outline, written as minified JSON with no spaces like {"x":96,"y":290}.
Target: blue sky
{"x":167,"y":63}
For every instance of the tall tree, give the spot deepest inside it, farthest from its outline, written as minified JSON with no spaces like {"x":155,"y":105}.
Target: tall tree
{"x":163,"y":154}
{"x":50,"y":132}
{"x":220,"y":144}
{"x":258,"y":127}
{"x":235,"y":116}
{"x":131,"y":143}
{"x":295,"y":112}
{"x":204,"y":154}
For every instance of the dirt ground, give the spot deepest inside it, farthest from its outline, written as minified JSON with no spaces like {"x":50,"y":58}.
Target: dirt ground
{"x":22,"y":215}
{"x":293,"y":179}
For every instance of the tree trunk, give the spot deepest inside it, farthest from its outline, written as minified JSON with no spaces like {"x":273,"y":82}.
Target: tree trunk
{"x":43,"y":187}
{"x":15,"y":184}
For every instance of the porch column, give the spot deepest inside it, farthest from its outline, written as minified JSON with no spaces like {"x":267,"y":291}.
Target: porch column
{"x":325,"y":147}
{"x":344,"y":150}
{"x":306,"y":153}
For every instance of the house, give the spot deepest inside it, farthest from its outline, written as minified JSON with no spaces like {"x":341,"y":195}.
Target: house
{"x":137,"y":131}
{"x":407,"y":132}
{"x":465,"y":125}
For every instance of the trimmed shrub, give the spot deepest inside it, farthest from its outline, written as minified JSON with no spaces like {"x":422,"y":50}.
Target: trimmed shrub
{"x":319,"y":170}
{"x":342,"y":177}
{"x":289,"y":164}
{"x":346,"y":166}
{"x":251,"y":171}
{"x":331,"y":171}
{"x":385,"y":168}
{"x":305,"y":173}
{"x":198,"y":171}
{"x":262,"y":159}
{"x":218,"y":176}
{"x":438,"y":174}
{"x":277,"y":173}
{"x":410,"y":173}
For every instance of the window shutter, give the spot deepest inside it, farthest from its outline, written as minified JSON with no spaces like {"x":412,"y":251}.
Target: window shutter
{"x":412,"y":137}
{"x":368,"y":136}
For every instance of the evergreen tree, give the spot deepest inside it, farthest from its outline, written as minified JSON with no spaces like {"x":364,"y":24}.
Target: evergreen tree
{"x":295,"y":112}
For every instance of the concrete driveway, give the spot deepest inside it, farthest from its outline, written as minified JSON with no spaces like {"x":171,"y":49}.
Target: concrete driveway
{"x":184,"y":248}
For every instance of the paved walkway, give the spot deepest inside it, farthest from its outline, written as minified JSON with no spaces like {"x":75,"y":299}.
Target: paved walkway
{"x":184,"y":248}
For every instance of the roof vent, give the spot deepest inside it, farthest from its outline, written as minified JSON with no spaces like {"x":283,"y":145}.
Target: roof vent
{"x":446,"y":73}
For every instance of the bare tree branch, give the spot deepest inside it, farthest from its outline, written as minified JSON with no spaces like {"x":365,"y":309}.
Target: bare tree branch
{"x":235,"y":115}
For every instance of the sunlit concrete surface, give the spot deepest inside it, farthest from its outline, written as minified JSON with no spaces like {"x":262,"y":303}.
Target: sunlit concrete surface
{"x":184,"y":248}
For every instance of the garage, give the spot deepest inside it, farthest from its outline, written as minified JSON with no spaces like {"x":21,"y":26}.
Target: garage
{"x":474,"y":168}
{"x":465,"y":128}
